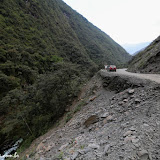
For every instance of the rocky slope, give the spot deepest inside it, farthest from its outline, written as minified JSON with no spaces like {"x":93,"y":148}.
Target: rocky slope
{"x":147,"y":61}
{"x":120,"y":120}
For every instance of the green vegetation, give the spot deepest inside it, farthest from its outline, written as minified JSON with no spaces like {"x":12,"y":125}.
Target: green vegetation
{"x":47,"y":51}
{"x":79,"y":106}
{"x":68,"y":116}
{"x":147,"y":61}
{"x":60,"y":156}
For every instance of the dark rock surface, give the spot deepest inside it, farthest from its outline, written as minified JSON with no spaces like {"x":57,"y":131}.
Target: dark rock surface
{"x":128,"y":127}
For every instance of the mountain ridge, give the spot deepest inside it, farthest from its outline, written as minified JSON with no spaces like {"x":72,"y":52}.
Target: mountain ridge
{"x":48,"y":51}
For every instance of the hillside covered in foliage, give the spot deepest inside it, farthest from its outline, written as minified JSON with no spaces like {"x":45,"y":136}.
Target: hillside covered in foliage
{"x":148,"y":60}
{"x":47,"y":51}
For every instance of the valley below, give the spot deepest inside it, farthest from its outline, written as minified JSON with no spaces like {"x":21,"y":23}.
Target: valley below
{"x":116,"y":117}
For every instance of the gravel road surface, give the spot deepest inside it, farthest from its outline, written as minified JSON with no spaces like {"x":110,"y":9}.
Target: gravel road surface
{"x":152,"y":77}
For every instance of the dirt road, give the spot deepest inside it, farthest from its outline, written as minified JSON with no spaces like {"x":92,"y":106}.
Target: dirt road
{"x":152,"y":77}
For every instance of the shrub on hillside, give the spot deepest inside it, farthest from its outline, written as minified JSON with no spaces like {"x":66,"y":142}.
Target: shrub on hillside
{"x":36,"y":108}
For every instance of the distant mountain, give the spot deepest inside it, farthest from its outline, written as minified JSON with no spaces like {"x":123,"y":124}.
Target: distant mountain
{"x":47,"y":51}
{"x":134,"y":48}
{"x":148,"y":60}
{"x":138,"y":51}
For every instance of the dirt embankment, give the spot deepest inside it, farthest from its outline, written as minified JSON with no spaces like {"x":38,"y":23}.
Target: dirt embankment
{"x":120,"y":120}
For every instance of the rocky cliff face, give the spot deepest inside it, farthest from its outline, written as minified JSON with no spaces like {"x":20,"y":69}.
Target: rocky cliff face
{"x":147,"y":61}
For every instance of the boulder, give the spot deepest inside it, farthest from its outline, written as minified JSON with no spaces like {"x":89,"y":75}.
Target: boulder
{"x":92,"y":98}
{"x":91,"y":120}
{"x":94,"y":146}
{"x":131,"y":91}
{"x":144,"y":155}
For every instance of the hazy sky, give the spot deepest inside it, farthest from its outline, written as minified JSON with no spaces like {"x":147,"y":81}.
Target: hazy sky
{"x":126,"y":21}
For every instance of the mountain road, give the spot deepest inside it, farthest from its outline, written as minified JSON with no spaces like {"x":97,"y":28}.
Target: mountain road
{"x":152,"y":77}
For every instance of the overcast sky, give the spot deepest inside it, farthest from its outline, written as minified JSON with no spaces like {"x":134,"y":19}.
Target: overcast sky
{"x":126,"y":21}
